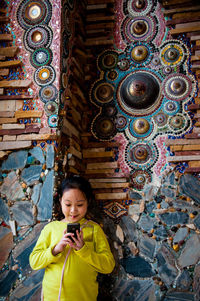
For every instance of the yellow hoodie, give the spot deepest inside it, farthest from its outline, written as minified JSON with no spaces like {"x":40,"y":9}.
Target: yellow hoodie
{"x":82,"y":266}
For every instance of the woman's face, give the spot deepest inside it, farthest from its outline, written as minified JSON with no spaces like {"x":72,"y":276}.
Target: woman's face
{"x":74,"y":205}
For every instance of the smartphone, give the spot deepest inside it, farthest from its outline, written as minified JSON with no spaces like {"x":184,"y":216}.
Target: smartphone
{"x":72,"y":228}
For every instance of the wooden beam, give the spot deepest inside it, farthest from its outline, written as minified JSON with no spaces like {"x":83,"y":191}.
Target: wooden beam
{"x":111,"y":196}
{"x":10,"y":64}
{"x":15,"y":83}
{"x":11,"y":97}
{"x":184,"y":29}
{"x":103,"y":165}
{"x":28,"y":114}
{"x":169,"y":142}
{"x":6,"y":37}
{"x":9,"y":51}
{"x":15,"y":145}
{"x":182,"y":158}
{"x":109,"y":185}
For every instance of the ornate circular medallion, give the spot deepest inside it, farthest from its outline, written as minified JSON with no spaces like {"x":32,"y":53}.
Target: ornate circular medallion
{"x":53,"y":121}
{"x":141,"y":126}
{"x":121,"y":122}
{"x":48,"y":93}
{"x":139,"y":178}
{"x":138,"y":93}
{"x":108,"y":60}
{"x":177,"y":122}
{"x":112,"y":75}
{"x":103,"y":128}
{"x":40,"y":57}
{"x":139,"y":53}
{"x":44,"y":75}
{"x":178,"y":87}
{"x":141,"y":154}
{"x":51,"y":108}
{"x":109,"y":110}
{"x":139,"y":7}
{"x":123,"y":64}
{"x":173,"y":53}
{"x":32,"y":12}
{"x":171,"y":107}
{"x":39,"y":36}
{"x":138,"y":29}
{"x":102,"y":93}
{"x":160,"y":119}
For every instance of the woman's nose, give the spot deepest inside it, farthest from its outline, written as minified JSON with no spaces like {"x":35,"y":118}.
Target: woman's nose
{"x":73,"y":209}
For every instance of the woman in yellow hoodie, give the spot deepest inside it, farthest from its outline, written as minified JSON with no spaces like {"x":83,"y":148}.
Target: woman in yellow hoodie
{"x":72,"y":262}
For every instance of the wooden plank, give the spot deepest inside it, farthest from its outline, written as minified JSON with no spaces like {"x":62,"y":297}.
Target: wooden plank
{"x":4,"y":72}
{"x":108,"y":144}
{"x":4,"y":19}
{"x":1,"y":91}
{"x":37,"y":137}
{"x":9,"y":51}
{"x":109,"y":185}
{"x":98,"y":154}
{"x":111,"y":196}
{"x":188,"y":147}
{"x":6,"y":37}
{"x":9,"y":138}
{"x":94,"y":42}
{"x":194,"y":164}
{"x":74,"y":152}
{"x":192,"y":169}
{"x":92,"y":2}
{"x":28,"y":114}
{"x":111,"y":180}
{"x":15,"y":83}
{"x":9,"y":126}
{"x":184,"y":29}
{"x":96,"y":18}
{"x":172,"y":11}
{"x":182,"y":158}
{"x":105,"y":26}
{"x":6,"y":114}
{"x":188,"y":153}
{"x":8,"y":120}
{"x":69,"y":129}
{"x":9,"y":106}
{"x":12,"y":97}
{"x":28,"y":129}
{"x":15,"y":145}
{"x":100,"y":171}
{"x":103,"y":165}
{"x":169,"y":142}
{"x":9,"y":64}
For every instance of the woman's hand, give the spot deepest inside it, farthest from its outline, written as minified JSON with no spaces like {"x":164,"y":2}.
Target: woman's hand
{"x":78,"y":242}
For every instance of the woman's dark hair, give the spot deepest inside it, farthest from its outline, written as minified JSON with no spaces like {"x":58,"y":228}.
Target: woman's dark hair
{"x":78,"y":182}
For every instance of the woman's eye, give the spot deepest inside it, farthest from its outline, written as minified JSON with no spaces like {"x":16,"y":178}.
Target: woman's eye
{"x":80,"y":205}
{"x":68,"y":205}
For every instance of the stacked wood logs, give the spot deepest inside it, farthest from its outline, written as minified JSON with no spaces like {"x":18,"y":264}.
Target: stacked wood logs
{"x":183,"y":19}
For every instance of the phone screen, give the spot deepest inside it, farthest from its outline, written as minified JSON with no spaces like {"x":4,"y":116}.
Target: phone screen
{"x":72,"y":228}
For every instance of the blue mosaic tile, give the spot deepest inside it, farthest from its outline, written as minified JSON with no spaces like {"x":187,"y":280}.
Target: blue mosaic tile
{"x":4,"y":213}
{"x":190,"y":253}
{"x":22,"y":213}
{"x":189,"y":185}
{"x":179,"y":296}
{"x":174,"y":218}
{"x":11,"y":187}
{"x":146,"y":223}
{"x":6,"y":282}
{"x":184,"y":280}
{"x":38,"y":154}
{"x":31,"y":174}
{"x":137,"y":266}
{"x":50,"y":156}
{"x":46,"y":198}
{"x":147,"y":247}
{"x":36,"y":193}
{"x":16,"y":160}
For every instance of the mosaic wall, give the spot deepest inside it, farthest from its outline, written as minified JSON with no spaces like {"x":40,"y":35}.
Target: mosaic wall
{"x":143,"y":90}
{"x":27,"y":174}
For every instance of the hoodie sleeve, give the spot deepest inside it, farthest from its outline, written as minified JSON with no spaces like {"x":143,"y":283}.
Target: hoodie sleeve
{"x":41,"y":255}
{"x":99,"y":256}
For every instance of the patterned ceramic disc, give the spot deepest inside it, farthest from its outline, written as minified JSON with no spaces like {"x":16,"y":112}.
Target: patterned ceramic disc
{"x":138,"y":93}
{"x":102,"y":93}
{"x":139,"y":7}
{"x":141,"y":154}
{"x":123,"y":64}
{"x":103,"y":128}
{"x":178,"y":87}
{"x":139,"y":178}
{"x":32,"y":12}
{"x":171,"y":107}
{"x":160,"y":119}
{"x":51,"y":108}
{"x":38,"y":36}
{"x":138,"y":29}
{"x":121,"y":122}
{"x":44,"y":76}
{"x":53,"y":120}
{"x":109,"y":110}
{"x":140,"y":128}
{"x":177,"y":123}
{"x":48,"y":93}
{"x":41,"y":57}
{"x":173,"y":53}
{"x":108,"y":60}
{"x":112,"y":75}
{"x":140,"y":54}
